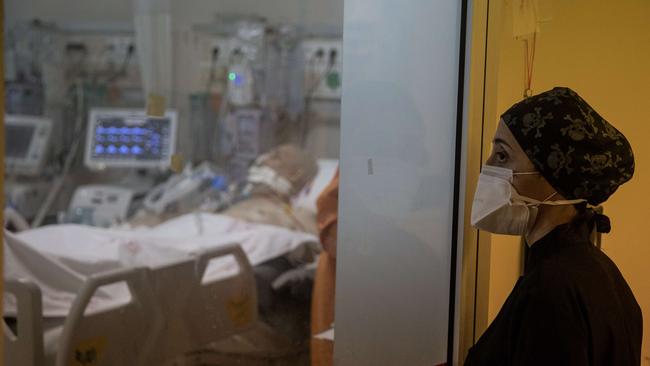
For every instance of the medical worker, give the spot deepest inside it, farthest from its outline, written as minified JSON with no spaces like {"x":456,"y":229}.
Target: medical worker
{"x":554,"y":159}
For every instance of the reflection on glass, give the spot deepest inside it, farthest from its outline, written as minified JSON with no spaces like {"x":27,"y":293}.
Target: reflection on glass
{"x":161,"y":201}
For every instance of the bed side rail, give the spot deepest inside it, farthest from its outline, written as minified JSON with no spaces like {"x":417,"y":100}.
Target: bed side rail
{"x":25,"y":348}
{"x":227,"y":306}
{"x":123,"y":335}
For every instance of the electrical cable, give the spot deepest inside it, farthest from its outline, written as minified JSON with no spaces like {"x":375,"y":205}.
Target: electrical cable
{"x":72,"y":154}
{"x":213,"y":63}
{"x":225,"y":108}
{"x":123,"y":68}
{"x":310,"y":93}
{"x":529,"y":60}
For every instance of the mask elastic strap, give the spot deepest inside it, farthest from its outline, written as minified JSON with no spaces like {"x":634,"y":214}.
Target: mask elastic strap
{"x":563,"y":202}
{"x":554,"y":203}
{"x":514,"y":174}
{"x":533,"y":202}
{"x":549,"y":197}
{"x":526,"y":173}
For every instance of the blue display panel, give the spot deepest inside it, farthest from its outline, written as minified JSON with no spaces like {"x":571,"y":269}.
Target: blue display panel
{"x":129,"y":138}
{"x":114,"y":139}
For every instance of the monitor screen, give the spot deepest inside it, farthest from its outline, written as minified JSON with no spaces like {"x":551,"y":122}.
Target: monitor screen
{"x":129,"y":138}
{"x":18,"y":139}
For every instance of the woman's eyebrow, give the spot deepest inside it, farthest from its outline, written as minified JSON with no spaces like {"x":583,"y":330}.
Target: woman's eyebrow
{"x":501,"y":141}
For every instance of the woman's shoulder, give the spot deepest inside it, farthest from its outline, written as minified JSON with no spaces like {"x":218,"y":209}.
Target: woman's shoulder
{"x":572,"y":265}
{"x":582,"y":274}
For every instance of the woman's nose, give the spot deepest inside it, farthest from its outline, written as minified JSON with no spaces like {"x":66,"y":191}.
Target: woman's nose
{"x":490,"y":160}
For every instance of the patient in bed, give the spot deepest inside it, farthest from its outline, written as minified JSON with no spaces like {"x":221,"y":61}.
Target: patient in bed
{"x":273,"y":180}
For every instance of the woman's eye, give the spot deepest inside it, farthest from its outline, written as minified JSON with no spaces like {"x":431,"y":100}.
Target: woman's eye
{"x":501,"y":156}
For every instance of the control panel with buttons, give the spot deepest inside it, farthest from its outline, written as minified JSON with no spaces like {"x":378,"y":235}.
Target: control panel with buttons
{"x":129,"y":138}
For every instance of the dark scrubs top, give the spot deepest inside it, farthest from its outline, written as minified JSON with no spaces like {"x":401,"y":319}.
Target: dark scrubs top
{"x":572,"y":307}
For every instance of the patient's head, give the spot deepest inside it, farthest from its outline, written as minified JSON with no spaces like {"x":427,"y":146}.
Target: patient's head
{"x":291,"y":163}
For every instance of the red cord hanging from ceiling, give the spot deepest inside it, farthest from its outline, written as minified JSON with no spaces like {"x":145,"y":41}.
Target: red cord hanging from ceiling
{"x":529,"y":60}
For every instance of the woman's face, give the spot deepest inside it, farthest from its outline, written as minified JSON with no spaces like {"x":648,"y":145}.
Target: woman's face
{"x":506,"y":153}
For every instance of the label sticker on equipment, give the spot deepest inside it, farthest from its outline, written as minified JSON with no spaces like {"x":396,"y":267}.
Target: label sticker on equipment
{"x":88,"y":352}
{"x":240,"y":310}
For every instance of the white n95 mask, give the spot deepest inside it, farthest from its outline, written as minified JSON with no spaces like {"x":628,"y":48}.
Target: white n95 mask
{"x":498,"y":207}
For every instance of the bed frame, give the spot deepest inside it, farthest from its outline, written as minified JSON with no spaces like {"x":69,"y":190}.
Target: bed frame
{"x":172,"y":312}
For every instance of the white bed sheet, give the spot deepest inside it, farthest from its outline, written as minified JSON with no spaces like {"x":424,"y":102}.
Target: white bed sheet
{"x":308,"y":197}
{"x":58,"y":258}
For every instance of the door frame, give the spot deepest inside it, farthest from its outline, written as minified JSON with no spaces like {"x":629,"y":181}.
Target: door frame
{"x":485,"y":31}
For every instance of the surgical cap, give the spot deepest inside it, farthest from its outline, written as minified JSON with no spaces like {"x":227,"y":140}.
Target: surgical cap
{"x":578,"y":152}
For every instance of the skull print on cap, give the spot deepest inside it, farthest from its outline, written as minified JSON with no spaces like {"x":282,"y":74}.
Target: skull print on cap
{"x":578,"y":152}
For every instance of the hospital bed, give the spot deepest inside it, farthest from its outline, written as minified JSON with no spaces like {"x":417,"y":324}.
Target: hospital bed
{"x":161,"y":321}
{"x":168,"y":319}
{"x":168,"y":289}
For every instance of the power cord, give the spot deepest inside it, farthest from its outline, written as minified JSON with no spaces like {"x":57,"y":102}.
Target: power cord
{"x":310,"y":93}
{"x":72,"y":154}
{"x":122,"y":71}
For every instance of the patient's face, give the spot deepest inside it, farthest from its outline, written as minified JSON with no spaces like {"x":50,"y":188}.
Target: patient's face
{"x":283,"y":159}
{"x":291,"y":163}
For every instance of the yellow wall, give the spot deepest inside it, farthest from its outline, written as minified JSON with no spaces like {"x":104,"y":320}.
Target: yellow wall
{"x":505,"y":260}
{"x":601,"y":49}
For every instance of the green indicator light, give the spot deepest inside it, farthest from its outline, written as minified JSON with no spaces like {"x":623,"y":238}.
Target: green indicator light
{"x":333,"y":80}
{"x":232,"y":76}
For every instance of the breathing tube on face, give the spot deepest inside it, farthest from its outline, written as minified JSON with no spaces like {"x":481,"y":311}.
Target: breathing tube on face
{"x":270,"y":178}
